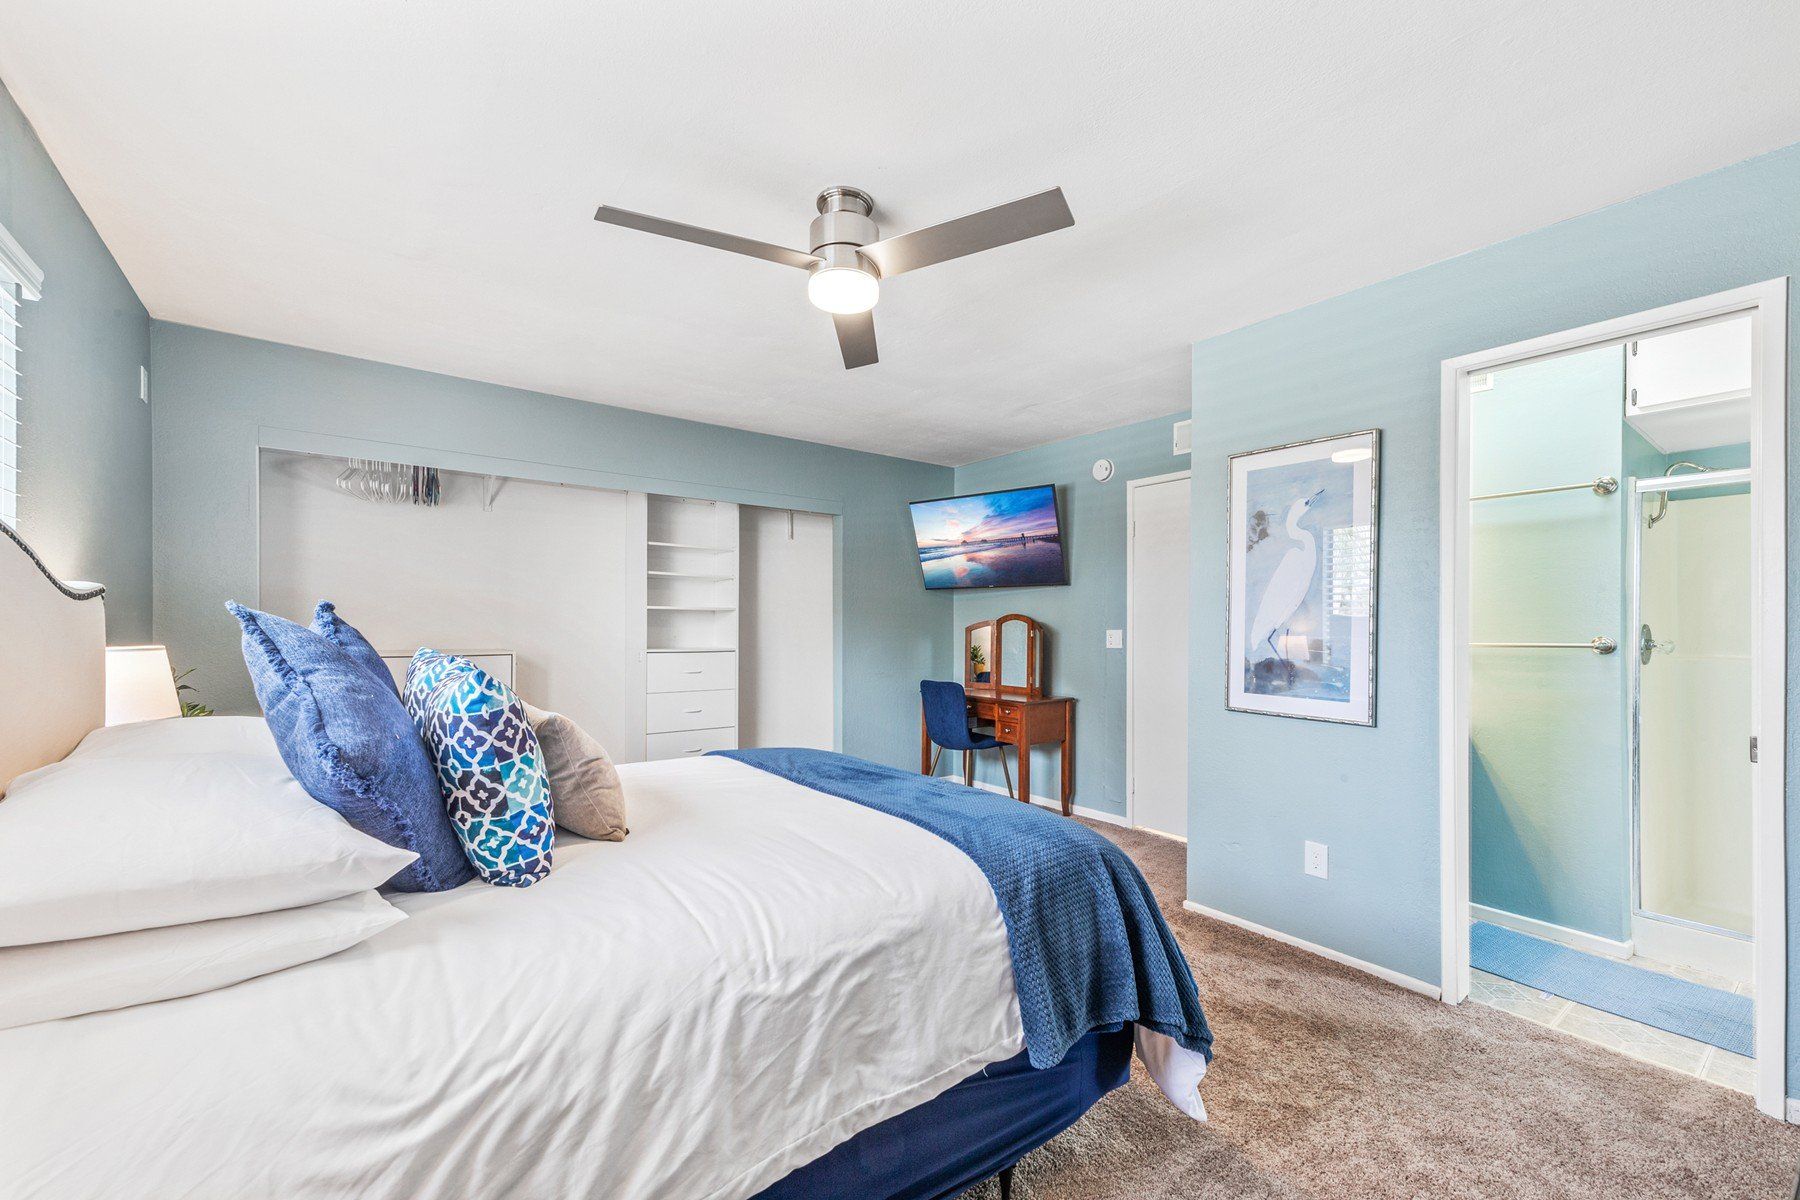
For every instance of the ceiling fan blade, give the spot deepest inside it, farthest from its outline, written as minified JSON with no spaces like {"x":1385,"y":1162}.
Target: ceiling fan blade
{"x":856,"y":338}
{"x":1042,"y":213}
{"x":705,"y":237}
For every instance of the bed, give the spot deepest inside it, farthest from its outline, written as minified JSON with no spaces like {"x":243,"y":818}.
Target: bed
{"x":765,"y":990}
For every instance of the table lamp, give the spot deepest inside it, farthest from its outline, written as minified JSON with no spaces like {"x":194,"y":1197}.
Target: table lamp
{"x":140,"y":685}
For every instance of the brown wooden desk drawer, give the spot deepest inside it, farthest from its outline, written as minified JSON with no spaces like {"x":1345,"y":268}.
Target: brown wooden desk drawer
{"x":1008,"y":731}
{"x":1009,"y":712}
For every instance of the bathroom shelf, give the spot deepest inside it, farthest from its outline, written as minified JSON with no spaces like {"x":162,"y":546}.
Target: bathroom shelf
{"x":690,"y":575}
{"x":691,"y":607}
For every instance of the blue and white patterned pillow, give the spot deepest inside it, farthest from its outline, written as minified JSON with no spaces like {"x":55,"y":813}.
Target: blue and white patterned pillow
{"x":489,"y":766}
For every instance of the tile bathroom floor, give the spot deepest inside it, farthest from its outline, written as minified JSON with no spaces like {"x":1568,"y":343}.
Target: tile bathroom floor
{"x":1631,"y":1038}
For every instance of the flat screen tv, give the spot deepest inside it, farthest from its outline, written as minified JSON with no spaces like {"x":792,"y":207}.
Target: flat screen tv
{"x":991,"y":539}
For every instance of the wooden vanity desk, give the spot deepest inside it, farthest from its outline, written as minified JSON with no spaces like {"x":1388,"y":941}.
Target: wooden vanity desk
{"x":1002,"y":674}
{"x":1023,"y":722}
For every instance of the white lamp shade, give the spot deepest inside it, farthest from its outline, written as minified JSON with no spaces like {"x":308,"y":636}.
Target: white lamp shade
{"x":140,"y":685}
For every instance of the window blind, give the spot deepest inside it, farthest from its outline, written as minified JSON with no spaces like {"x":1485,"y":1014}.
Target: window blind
{"x":9,"y":400}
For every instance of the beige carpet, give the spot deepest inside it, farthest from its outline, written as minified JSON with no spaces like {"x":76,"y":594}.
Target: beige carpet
{"x":1330,"y":1083}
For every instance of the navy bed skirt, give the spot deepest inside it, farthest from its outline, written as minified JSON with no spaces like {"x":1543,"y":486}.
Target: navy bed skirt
{"x":978,"y":1128}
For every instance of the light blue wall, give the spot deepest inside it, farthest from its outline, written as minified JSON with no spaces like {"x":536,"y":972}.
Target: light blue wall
{"x":1077,"y":616}
{"x":1549,"y":812}
{"x":84,"y":496}
{"x":1371,"y":358}
{"x":220,"y":397}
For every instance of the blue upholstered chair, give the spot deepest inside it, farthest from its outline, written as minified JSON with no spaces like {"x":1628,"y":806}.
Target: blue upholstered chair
{"x":947,"y":725}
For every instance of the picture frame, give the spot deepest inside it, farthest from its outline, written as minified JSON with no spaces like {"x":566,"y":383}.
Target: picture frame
{"x":1302,"y":578}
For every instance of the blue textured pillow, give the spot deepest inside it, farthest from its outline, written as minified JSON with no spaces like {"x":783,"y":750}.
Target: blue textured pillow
{"x":348,"y":740}
{"x":489,"y":766}
{"x":345,"y":636}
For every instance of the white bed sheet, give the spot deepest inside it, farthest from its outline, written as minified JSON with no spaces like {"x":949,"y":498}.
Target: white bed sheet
{"x":757,"y":973}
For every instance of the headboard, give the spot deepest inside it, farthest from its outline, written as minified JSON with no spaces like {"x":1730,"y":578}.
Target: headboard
{"x":52,"y":661}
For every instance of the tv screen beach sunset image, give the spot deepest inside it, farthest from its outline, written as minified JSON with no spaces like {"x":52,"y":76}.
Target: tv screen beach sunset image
{"x":995,"y":539}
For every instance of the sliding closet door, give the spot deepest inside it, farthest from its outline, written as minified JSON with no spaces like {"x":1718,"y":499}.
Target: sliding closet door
{"x":787,"y":681}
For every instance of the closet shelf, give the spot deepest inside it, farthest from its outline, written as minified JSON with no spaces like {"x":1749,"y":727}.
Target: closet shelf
{"x":691,"y":607}
{"x":690,"y":649}
{"x":690,"y":575}
{"x":690,"y":546}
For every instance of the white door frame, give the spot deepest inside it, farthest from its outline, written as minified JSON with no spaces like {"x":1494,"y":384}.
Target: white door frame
{"x":1131,"y":491}
{"x":1766,"y":304}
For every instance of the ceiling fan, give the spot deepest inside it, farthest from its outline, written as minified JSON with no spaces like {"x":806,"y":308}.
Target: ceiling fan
{"x":849,"y":257}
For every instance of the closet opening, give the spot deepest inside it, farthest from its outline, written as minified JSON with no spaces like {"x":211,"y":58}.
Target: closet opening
{"x":665,"y":625}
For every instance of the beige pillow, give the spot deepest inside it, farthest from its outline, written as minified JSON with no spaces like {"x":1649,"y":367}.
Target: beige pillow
{"x":584,"y":787}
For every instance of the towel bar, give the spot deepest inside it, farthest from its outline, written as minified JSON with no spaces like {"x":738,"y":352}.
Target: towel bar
{"x":1606,"y":485}
{"x":1599,"y":645}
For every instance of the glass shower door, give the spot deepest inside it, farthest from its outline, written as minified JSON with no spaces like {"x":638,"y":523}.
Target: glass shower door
{"x":1693,"y":707}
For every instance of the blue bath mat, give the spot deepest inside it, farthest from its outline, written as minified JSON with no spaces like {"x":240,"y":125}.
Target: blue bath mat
{"x":1690,"y":1009}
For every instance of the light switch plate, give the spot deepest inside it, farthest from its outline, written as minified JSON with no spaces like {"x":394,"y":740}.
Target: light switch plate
{"x":1315,"y":859}
{"x":1115,"y":639}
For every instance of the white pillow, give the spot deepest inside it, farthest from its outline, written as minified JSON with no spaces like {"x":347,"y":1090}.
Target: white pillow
{"x":66,"y":979}
{"x":162,"y":824}
{"x":180,"y":735}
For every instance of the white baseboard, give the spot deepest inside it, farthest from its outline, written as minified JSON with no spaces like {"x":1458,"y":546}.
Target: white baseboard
{"x":1092,"y":814}
{"x":1575,"y":939}
{"x":1793,"y":1111}
{"x":1430,"y":990}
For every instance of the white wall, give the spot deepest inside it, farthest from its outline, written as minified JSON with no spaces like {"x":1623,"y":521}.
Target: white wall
{"x":788,"y":659}
{"x":554,"y":573}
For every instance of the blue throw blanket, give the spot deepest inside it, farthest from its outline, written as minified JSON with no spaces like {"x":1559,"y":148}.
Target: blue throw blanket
{"x":1090,"y":948}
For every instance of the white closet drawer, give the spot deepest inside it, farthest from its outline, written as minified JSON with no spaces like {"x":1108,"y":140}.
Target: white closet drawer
{"x":688,"y":745}
{"x":697,"y":672}
{"x":670,"y":712}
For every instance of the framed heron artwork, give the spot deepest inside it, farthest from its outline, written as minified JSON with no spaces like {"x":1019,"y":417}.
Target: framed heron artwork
{"x":1300,"y":574}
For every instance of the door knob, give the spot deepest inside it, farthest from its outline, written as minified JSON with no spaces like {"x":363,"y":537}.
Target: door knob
{"x":1648,"y":645}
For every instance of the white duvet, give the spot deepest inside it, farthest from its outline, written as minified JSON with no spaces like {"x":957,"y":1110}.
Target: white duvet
{"x":757,"y":973}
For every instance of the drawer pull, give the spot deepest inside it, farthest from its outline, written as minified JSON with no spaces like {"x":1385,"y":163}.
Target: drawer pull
{"x":692,"y":711}
{"x":695,"y":750}
{"x":696,"y":671}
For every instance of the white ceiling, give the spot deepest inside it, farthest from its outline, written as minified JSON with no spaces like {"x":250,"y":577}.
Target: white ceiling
{"x":415,"y":181}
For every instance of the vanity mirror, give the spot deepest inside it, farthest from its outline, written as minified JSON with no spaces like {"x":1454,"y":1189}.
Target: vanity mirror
{"x":1004,"y":656}
{"x":978,"y":654}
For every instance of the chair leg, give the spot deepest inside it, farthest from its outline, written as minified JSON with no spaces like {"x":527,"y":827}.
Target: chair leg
{"x":939,"y":753}
{"x":1006,"y":771}
{"x":1006,"y":1184}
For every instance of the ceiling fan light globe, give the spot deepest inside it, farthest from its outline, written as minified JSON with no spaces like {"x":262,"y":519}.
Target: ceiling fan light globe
{"x":843,"y":291}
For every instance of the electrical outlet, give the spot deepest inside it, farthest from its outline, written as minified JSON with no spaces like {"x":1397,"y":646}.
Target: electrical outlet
{"x":1315,"y":859}
{"x":1115,"y":639}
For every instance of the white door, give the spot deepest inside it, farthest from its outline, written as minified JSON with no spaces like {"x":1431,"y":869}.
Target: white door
{"x":787,"y":680}
{"x":1156,"y":639}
